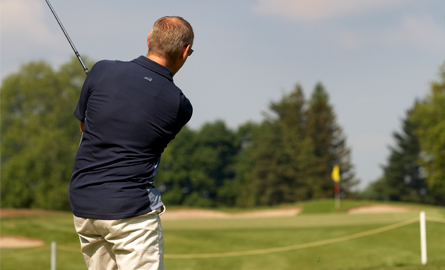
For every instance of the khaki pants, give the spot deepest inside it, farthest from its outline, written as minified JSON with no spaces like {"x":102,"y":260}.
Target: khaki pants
{"x":131,"y":243}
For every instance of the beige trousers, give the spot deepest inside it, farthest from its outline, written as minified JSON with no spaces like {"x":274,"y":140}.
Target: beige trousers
{"x":126,"y":244}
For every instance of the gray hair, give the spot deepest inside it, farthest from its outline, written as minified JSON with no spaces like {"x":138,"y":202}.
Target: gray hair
{"x":169,"y":35}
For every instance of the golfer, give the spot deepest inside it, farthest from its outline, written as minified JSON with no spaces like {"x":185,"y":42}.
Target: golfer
{"x":128,"y":112}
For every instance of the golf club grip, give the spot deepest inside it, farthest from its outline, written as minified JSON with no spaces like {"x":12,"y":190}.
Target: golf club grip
{"x":85,"y":69}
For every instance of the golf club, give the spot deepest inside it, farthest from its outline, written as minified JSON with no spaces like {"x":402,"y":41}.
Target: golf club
{"x":68,"y":37}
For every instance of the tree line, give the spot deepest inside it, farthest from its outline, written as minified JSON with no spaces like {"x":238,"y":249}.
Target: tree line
{"x":415,"y":168}
{"x":287,"y":157}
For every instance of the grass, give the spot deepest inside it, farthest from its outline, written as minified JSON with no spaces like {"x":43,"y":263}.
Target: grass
{"x":393,"y":249}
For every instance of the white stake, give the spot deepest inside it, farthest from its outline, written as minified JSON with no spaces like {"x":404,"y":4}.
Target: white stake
{"x":53,"y":255}
{"x":423,"y":237}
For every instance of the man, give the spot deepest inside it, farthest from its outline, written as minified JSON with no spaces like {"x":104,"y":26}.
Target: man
{"x":129,"y":112}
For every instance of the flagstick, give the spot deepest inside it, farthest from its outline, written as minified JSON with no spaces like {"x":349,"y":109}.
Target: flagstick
{"x":336,"y":177}
{"x":337,"y":196}
{"x":337,"y":201}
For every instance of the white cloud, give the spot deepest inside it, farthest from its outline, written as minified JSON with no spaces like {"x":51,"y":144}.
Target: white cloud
{"x":421,"y":32}
{"x":318,"y":9}
{"x":26,"y":35}
{"x":25,"y":18}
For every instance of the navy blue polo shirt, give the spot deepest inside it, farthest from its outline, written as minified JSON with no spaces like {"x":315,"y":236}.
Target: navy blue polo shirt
{"x":131,"y":111}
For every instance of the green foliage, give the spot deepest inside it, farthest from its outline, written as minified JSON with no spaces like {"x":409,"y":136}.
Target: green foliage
{"x":197,"y":168}
{"x":286,"y":158}
{"x":267,"y":180}
{"x":39,"y":136}
{"x":430,"y":117}
{"x":293,"y":152}
{"x":378,"y":190}
{"x":402,"y":173}
{"x":402,"y":176}
{"x":329,"y":146}
{"x":415,"y":169}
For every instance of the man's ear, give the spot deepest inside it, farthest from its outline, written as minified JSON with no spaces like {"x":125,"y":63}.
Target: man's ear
{"x":185,"y":51}
{"x":148,"y":39}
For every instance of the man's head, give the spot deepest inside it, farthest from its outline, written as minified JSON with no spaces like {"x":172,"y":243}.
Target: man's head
{"x":170,"y":36}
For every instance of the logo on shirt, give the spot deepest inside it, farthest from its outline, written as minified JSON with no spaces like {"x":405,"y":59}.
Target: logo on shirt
{"x":148,"y":79}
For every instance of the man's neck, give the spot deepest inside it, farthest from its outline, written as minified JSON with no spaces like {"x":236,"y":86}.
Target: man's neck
{"x":161,"y":61}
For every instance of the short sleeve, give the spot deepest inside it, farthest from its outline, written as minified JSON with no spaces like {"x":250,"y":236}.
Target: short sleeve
{"x":185,"y":111}
{"x":81,"y":108}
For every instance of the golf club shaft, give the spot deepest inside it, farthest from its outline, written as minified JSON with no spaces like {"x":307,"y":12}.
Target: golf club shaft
{"x":68,"y":37}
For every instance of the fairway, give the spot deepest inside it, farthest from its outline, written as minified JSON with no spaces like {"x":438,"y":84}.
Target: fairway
{"x":307,"y":241}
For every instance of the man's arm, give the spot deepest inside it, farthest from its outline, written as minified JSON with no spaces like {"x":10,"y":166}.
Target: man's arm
{"x":185,"y":111}
{"x":81,"y":127}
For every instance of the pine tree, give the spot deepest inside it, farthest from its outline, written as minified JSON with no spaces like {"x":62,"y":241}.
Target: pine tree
{"x":275,"y":175}
{"x":297,"y":146}
{"x":295,"y":150}
{"x":402,"y":173}
{"x":429,"y":115}
{"x":329,"y":146}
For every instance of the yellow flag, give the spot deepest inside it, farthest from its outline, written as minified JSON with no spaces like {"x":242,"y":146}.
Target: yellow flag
{"x":336,"y":174}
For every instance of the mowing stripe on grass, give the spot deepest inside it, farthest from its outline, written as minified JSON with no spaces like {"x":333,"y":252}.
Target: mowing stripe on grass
{"x":442,"y":220}
{"x":25,"y":252}
{"x":255,"y":252}
{"x":292,"y":247}
{"x":68,"y":249}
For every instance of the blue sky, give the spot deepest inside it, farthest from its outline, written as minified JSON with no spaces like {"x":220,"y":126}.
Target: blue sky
{"x":374,"y":57}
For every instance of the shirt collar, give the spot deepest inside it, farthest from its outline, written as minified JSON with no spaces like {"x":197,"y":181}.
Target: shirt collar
{"x":153,"y":66}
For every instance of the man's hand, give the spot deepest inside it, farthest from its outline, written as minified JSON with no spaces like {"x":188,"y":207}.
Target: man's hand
{"x":81,"y":127}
